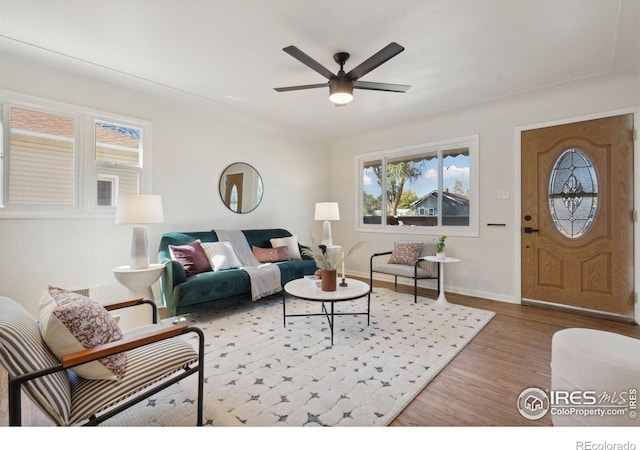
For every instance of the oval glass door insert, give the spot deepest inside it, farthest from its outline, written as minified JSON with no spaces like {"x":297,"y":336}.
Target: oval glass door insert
{"x":573,"y":193}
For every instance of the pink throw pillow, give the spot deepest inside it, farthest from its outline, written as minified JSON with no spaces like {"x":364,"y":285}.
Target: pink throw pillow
{"x":192,"y":257}
{"x":265,"y":255}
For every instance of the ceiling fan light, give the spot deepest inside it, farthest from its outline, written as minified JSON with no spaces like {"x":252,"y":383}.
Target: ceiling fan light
{"x":340,"y":91}
{"x":341,"y":98}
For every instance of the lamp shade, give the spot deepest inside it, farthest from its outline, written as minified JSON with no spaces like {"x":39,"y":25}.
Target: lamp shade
{"x":327,"y":211}
{"x":139,"y":209}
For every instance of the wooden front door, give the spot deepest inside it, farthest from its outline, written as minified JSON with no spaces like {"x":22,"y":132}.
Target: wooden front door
{"x":577,"y":215}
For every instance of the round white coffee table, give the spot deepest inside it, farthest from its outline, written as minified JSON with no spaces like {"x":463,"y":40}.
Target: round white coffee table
{"x":308,"y":289}
{"x":442,"y":300}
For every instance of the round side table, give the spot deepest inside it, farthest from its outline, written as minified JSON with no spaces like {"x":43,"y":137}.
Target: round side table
{"x":442,"y":300}
{"x":139,"y":281}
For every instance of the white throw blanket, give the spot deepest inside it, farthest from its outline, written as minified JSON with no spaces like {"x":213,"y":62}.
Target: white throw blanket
{"x":265,"y":278}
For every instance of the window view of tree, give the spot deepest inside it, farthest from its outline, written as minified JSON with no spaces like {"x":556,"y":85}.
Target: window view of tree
{"x":372,"y":193}
{"x":398,"y":174}
{"x":407,"y":199}
{"x":424,"y":188}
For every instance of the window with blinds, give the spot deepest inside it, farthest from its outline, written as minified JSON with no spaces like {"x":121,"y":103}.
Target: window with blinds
{"x":61,"y":160}
{"x":42,"y":158}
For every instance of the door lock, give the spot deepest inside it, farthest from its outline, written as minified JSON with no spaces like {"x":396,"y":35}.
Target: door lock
{"x":530,"y":230}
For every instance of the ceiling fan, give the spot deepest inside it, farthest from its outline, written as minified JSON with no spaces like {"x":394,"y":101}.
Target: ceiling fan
{"x":341,"y":85}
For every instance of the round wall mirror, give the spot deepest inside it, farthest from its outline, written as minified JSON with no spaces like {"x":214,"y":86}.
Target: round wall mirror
{"x":241,"y":188}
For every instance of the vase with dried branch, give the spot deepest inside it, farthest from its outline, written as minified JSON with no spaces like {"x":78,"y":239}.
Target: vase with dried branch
{"x":326,"y":261}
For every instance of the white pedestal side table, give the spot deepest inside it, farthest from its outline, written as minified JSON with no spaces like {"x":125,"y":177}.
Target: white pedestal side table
{"x":442,"y":300}
{"x":139,"y":281}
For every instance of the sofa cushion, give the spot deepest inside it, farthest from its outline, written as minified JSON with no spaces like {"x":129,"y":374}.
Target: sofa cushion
{"x":71,"y":322}
{"x":265,"y":255}
{"x":207,"y":286}
{"x":221,"y":255}
{"x":291,"y":242}
{"x":294,"y":269}
{"x":191,"y":256}
{"x":405,"y":252}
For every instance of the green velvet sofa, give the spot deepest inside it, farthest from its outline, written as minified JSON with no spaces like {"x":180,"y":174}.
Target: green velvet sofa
{"x":182,"y":294}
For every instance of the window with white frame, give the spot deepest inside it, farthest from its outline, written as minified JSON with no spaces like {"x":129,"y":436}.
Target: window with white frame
{"x":118,"y":158}
{"x":424,"y":188}
{"x":60,"y":160}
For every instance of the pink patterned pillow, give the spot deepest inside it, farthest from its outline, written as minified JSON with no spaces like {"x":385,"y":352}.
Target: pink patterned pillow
{"x":405,"y":252}
{"x":71,"y":322}
{"x":265,"y":255}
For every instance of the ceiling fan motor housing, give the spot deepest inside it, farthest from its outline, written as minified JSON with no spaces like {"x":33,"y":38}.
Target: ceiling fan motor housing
{"x":340,"y":90}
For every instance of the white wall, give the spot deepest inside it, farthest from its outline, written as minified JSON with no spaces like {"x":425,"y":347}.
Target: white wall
{"x":490,"y":266}
{"x":193,"y":141}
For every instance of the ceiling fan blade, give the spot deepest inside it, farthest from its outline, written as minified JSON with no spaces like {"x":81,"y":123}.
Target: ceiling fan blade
{"x":299,"y":88}
{"x":381,"y":57}
{"x":372,"y":86}
{"x":308,"y":61}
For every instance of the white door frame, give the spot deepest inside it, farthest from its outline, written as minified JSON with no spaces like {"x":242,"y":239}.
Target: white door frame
{"x":517,"y":238}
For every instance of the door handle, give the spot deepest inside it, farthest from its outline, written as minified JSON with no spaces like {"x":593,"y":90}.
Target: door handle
{"x":530,"y":230}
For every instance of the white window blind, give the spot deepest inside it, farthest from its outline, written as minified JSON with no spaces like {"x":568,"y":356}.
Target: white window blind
{"x":42,"y":159}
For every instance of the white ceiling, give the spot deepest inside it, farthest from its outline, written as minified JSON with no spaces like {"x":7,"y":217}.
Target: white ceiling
{"x":457,"y":52}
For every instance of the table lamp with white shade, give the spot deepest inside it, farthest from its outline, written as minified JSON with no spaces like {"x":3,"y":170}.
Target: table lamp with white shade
{"x":139,"y":209}
{"x":327,"y":211}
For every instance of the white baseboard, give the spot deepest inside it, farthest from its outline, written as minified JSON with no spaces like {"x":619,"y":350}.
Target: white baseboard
{"x":433,"y":284}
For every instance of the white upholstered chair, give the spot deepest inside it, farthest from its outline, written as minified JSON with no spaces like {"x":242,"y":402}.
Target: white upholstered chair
{"x":156,"y":357}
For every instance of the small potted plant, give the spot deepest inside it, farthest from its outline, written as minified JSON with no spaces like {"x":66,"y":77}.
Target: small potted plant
{"x":440,"y":253}
{"x":326,"y":261}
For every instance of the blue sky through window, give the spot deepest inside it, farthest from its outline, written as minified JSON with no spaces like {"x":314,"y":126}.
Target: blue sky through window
{"x":455,"y":168}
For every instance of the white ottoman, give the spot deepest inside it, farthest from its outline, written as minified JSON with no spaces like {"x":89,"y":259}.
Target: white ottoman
{"x":593,"y":360}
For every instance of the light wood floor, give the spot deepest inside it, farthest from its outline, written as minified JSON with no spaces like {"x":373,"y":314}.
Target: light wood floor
{"x":481,"y":385}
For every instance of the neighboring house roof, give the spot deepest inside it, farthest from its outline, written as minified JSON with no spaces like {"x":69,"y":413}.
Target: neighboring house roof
{"x":448,"y":198}
{"x":51,"y":124}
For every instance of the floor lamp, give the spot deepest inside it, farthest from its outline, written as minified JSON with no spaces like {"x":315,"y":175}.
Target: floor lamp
{"x":327,"y":211}
{"x":139,"y":209}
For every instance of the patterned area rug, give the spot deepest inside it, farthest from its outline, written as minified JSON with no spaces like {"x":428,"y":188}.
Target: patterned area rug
{"x":259,"y":373}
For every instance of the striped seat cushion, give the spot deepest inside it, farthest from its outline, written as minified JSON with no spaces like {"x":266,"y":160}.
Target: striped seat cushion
{"x":401,"y":270}
{"x":145,"y":366}
{"x":22,"y":351}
